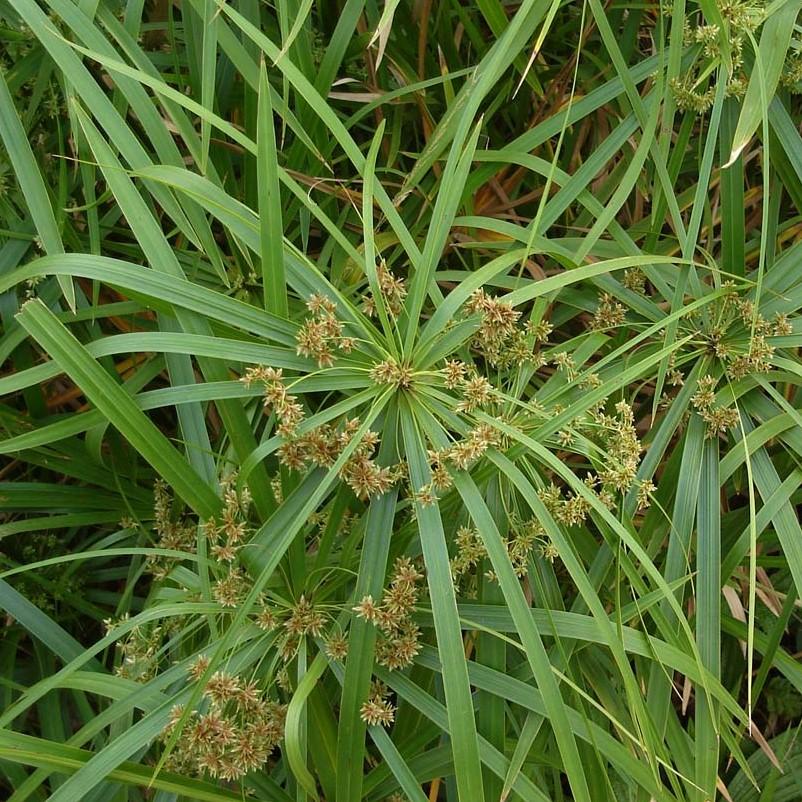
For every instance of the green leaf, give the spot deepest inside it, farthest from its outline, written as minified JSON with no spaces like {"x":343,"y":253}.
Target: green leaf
{"x":31,"y":182}
{"x":271,"y":229}
{"x":459,"y":706}
{"x":708,"y":615}
{"x":117,"y":407}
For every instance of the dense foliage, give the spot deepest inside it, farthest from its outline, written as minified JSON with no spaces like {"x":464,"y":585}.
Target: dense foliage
{"x":400,"y":401}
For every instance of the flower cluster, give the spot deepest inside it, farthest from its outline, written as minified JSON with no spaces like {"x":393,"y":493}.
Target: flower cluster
{"x":758,"y":358}
{"x":646,"y":489}
{"x":336,"y":646}
{"x":497,"y":322}
{"x":688,"y":97}
{"x":691,"y":91}
{"x":139,"y":650}
{"x":477,"y":392}
{"x":453,"y":373}
{"x":566,"y":364}
{"x":524,"y":538}
{"x":619,"y":450}
{"x":225,"y":535}
{"x":499,"y":339}
{"x":570,"y":510}
{"x":791,"y":77}
{"x":392,"y":290}
{"x":304,"y":619}
{"x":377,"y":709}
{"x":322,"y":333}
{"x":390,"y":372}
{"x":232,"y":588}
{"x":460,"y":455}
{"x":399,"y":641}
{"x":234,"y":731}
{"x":301,"y":620}
{"x":719,"y":419}
{"x":634,"y":279}
{"x":463,"y":453}
{"x":363,"y":474}
{"x":742,"y":15}
{"x":733,"y":318}
{"x":609,"y":313}
{"x":172,"y":532}
{"x":322,"y":445}
{"x":276,"y":398}
{"x":622,"y":448}
{"x":294,"y":623}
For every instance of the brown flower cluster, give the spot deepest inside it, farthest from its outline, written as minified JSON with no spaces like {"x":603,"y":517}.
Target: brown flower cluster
{"x":336,"y":646}
{"x":566,"y":364}
{"x":225,"y":535}
{"x":461,"y":455}
{"x":276,"y":398}
{"x":294,"y":623}
{"x":302,"y":619}
{"x":523,"y":539}
{"x":232,"y":588}
{"x":365,"y":476}
{"x":453,"y":373}
{"x":465,"y":452}
{"x":392,"y":290}
{"x":399,"y":641}
{"x":234,"y":732}
{"x":457,"y":457}
{"x":498,"y":320}
{"x":390,"y":372}
{"x":477,"y":392}
{"x":499,"y":338}
{"x":322,"y":445}
{"x":322,"y":333}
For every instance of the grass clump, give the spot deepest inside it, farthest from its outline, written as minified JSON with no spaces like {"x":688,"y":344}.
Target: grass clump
{"x":399,"y":401}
